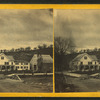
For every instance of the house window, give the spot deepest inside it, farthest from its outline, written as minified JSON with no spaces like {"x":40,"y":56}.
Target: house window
{"x":34,"y":67}
{"x":3,"y":67}
{"x":89,"y":62}
{"x":17,"y":67}
{"x":6,"y":63}
{"x":81,"y":63}
{"x":8,"y":67}
{"x":26,"y":63}
{"x":2,"y":58}
{"x":12,"y":63}
{"x":85,"y":57}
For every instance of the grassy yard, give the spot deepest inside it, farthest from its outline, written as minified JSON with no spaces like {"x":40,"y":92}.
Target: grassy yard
{"x":41,"y":84}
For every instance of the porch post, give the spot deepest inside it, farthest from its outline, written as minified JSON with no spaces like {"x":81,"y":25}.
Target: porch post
{"x":83,"y":67}
{"x":77,"y":68}
{"x":89,"y":67}
{"x":6,"y":68}
{"x":98,"y":67}
{"x":93,"y":67}
{"x":1,"y":67}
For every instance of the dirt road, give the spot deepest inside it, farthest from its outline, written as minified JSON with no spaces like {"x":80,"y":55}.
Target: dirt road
{"x":30,"y":85}
{"x":87,"y":85}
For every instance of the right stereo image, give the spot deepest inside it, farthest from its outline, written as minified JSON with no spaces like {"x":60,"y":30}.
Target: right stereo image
{"x":77,"y":50}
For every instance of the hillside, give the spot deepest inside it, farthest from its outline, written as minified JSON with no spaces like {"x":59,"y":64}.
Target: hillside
{"x":27,"y":55}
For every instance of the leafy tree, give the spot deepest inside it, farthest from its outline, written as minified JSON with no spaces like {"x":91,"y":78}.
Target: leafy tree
{"x":95,"y":49}
{"x":12,"y":50}
{"x":4,"y":50}
{"x":21,"y":49}
{"x":50,"y":46}
{"x":44,"y":46}
{"x":35,"y":48}
{"x":40,"y":47}
{"x":27,"y":48}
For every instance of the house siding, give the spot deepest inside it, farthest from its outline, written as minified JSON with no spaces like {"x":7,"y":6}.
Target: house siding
{"x":21,"y":66}
{"x":34,"y":63}
{"x":5,"y":64}
{"x":84,"y":62}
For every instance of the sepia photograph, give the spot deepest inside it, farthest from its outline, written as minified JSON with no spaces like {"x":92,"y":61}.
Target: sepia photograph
{"x":26,"y":50}
{"x":77,"y":50}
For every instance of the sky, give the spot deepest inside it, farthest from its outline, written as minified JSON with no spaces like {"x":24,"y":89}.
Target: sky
{"x":82,"y":25}
{"x":28,"y":27}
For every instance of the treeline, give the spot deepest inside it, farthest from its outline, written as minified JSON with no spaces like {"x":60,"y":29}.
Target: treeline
{"x":87,"y":50}
{"x":39,"y":47}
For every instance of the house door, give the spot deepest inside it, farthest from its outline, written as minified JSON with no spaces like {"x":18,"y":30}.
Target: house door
{"x":34,"y":67}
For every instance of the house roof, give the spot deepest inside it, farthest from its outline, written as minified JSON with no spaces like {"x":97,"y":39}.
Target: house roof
{"x":93,"y":57}
{"x":26,"y":57}
{"x":20,"y":57}
{"x":10,"y":58}
{"x":47,"y":59}
{"x":78,"y":57}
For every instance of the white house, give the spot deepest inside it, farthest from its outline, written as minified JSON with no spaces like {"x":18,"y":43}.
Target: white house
{"x":6,"y":62}
{"x":85,"y":62}
{"x":22,"y":65}
{"x":26,"y":62}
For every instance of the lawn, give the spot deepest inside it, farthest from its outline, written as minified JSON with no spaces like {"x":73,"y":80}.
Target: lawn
{"x":33,"y":84}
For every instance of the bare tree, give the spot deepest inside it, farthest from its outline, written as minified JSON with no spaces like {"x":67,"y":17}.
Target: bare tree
{"x":64,"y":45}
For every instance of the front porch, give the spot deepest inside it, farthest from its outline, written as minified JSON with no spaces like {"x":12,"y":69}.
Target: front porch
{"x":86,"y":68}
{"x":6,"y":67}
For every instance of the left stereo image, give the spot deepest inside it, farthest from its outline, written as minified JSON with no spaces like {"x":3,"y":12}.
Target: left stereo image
{"x":26,"y":50}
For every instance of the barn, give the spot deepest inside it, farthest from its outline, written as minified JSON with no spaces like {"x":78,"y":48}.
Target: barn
{"x":45,"y":63}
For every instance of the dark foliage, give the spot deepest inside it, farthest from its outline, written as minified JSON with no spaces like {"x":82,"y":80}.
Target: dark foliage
{"x":27,"y":55}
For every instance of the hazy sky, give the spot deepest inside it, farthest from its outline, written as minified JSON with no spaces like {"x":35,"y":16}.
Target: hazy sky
{"x":21,"y":28}
{"x":83,"y":25}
